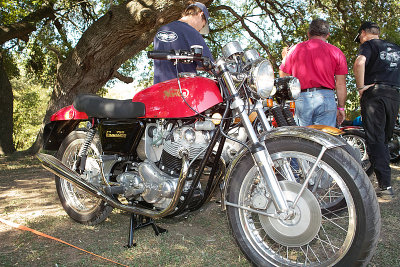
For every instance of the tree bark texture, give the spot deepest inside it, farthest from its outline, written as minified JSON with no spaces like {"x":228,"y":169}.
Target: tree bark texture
{"x":111,"y":40}
{"x":6,"y":112}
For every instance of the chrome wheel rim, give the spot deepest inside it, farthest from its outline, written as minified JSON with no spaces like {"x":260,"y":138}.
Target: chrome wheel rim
{"x":359,"y":143}
{"x":76,"y":198}
{"x":336,"y":228}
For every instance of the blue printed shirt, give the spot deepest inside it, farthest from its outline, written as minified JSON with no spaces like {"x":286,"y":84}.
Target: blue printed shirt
{"x":176,"y":35}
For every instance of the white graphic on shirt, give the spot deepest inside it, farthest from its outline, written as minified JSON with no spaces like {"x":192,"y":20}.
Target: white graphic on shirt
{"x":166,"y":36}
{"x":391,"y":56}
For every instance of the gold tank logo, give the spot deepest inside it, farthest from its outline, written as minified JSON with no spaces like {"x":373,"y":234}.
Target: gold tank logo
{"x":117,"y":134}
{"x":176,"y":93}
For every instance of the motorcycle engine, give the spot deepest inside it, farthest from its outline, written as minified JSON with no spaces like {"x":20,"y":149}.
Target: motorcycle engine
{"x":179,"y":140}
{"x":155,"y":179}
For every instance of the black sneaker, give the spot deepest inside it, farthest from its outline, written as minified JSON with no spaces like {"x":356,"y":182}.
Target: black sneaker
{"x":385,"y":193}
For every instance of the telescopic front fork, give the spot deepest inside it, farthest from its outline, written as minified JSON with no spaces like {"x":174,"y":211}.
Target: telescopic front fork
{"x":258,"y":150}
{"x":262,"y":158}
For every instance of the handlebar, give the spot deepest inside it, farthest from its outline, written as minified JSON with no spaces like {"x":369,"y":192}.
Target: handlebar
{"x":161,"y":55}
{"x":183,"y":56}
{"x":180,"y":55}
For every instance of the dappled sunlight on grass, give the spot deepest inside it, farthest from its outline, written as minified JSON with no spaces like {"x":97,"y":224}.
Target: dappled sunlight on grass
{"x":28,"y":197}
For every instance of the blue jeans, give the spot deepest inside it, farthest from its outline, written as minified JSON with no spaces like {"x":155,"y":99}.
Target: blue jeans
{"x":317,"y":107}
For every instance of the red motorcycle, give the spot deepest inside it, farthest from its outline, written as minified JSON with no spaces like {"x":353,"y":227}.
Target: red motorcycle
{"x":148,"y":156}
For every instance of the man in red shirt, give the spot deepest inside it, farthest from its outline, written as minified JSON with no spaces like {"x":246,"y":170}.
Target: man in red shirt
{"x":321,"y":69}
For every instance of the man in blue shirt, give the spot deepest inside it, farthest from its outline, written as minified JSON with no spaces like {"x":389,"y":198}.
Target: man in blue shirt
{"x":181,"y":35}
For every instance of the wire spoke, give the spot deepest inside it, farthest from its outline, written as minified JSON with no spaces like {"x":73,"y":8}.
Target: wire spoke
{"x":326,"y":245}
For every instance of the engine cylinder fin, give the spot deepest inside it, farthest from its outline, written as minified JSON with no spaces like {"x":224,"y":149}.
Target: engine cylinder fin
{"x":169,"y":163}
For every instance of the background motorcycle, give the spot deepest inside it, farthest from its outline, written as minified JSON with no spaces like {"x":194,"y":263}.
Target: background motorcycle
{"x":355,"y":136}
{"x":147,"y":157}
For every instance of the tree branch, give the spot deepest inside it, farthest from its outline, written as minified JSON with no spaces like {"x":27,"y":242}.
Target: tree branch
{"x":23,"y":28}
{"x":122,"y":78}
{"x":251,"y":33}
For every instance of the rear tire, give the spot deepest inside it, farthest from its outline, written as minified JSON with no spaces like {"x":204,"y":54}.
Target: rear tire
{"x":356,"y":139}
{"x":346,"y":237}
{"x":394,"y":147}
{"x":80,"y":205}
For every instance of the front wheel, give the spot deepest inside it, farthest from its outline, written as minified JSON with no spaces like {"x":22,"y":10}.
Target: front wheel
{"x":314,"y":235}
{"x":80,"y":205}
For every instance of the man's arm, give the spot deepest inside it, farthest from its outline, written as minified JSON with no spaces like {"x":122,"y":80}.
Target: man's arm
{"x":359,"y":70}
{"x":359,"y":74}
{"x":283,"y":74}
{"x":285,"y":51}
{"x":341,"y":92}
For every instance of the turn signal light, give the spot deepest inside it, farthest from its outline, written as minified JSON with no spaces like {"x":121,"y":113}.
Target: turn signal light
{"x":270,"y":103}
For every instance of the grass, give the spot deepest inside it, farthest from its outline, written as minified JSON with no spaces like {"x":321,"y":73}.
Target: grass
{"x":203,"y":238}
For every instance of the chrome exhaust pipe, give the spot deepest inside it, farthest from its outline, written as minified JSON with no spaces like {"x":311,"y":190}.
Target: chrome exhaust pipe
{"x":58,"y":168}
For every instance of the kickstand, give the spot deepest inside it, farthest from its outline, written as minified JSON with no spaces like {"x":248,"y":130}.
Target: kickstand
{"x":139,"y":221}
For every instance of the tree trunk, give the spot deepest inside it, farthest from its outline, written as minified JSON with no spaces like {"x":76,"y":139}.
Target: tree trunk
{"x":124,"y":31}
{"x":6,"y":112}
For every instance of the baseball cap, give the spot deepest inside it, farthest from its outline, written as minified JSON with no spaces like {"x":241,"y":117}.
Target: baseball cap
{"x":205,"y":29}
{"x":364,"y":26}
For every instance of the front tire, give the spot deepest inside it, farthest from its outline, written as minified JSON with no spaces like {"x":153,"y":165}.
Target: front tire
{"x":80,"y":205}
{"x":344,"y":237}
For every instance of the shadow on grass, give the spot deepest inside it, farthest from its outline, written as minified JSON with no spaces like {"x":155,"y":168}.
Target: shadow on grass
{"x":28,"y":196}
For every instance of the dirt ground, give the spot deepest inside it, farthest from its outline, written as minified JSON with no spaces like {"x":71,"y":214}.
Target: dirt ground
{"x":28,"y":197}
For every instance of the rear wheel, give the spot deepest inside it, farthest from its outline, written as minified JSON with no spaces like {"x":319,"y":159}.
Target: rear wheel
{"x":394,"y":147}
{"x":80,"y":205}
{"x":356,"y":139}
{"x":314,"y":236}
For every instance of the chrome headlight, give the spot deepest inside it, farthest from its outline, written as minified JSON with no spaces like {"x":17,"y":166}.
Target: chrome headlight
{"x":232,"y":49}
{"x":287,"y":88}
{"x":250,"y":56}
{"x":261,"y":79}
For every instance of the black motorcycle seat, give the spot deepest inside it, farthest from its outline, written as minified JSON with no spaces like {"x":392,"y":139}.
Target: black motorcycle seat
{"x":99,"y":107}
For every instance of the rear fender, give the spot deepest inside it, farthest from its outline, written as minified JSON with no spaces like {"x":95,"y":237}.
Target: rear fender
{"x":62,"y":123}
{"x":55,"y":132}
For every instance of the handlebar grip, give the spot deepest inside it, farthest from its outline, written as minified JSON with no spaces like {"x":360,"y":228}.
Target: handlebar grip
{"x":162,"y":55}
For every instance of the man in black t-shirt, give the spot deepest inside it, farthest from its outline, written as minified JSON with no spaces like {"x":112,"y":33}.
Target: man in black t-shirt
{"x":377,"y":73}
{"x":181,"y":35}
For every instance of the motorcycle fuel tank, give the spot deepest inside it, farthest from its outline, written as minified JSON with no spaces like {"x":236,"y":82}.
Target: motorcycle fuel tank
{"x":164,"y":100}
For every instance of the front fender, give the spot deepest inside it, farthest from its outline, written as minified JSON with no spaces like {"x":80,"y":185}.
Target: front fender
{"x":322,"y":138}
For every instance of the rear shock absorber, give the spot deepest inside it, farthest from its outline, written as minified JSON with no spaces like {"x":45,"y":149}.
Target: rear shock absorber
{"x":83,"y":151}
{"x":288,"y":116}
{"x":279,"y":117}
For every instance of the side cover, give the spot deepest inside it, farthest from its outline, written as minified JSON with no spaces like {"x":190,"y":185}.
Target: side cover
{"x":164,"y":100}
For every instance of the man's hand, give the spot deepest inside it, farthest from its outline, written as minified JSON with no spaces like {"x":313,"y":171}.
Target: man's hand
{"x":340,"y":116}
{"x":360,"y":92}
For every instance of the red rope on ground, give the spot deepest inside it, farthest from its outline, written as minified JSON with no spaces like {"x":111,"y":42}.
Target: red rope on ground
{"x":24,"y":228}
